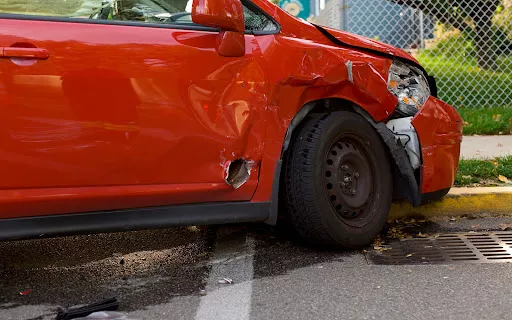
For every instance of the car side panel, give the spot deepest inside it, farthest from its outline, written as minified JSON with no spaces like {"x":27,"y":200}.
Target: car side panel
{"x":117,"y":106}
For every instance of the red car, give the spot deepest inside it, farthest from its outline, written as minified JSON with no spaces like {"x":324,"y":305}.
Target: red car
{"x":137,"y":114}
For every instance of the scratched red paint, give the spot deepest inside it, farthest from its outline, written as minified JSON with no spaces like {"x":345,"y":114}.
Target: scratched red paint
{"x":117,"y":119}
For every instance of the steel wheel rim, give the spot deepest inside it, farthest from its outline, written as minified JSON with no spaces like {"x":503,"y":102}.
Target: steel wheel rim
{"x":349,"y":178}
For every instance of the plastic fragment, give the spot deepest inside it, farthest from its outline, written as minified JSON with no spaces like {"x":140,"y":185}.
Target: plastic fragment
{"x":25,"y":292}
{"x":110,"y":304}
{"x":105,"y":315}
{"x":226,"y":281}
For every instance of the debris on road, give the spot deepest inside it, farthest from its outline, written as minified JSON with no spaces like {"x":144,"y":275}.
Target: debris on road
{"x":399,"y":229}
{"x":193,"y":229}
{"x":505,"y":226}
{"x":378,"y":245}
{"x":25,"y":292}
{"x":105,"y":315}
{"x":77,"y":312}
{"x":226,"y":281}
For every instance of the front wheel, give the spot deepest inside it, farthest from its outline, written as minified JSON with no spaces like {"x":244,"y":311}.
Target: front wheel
{"x":338,"y":181}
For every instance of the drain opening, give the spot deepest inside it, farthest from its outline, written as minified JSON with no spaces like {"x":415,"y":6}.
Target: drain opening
{"x":493,"y":247}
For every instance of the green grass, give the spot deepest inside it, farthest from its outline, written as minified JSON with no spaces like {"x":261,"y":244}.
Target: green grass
{"x":484,"y":172}
{"x":463,"y":84}
{"x":483,"y":97}
{"x":487,"y":121}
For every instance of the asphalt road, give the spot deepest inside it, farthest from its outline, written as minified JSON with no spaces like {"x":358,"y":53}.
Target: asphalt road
{"x":175,"y":274}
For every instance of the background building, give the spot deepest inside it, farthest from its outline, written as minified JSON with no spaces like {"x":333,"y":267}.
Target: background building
{"x":384,"y":20}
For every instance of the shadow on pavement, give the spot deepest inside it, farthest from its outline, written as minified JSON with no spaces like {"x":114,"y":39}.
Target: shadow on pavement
{"x":279,"y":251}
{"x":141,"y":268}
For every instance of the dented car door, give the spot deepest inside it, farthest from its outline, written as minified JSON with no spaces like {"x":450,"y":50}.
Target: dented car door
{"x":129,"y":106}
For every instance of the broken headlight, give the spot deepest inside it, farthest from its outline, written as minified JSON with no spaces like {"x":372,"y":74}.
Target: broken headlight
{"x":410,"y":86}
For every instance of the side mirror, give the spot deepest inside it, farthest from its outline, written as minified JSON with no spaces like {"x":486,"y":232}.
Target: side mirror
{"x":226,"y":15}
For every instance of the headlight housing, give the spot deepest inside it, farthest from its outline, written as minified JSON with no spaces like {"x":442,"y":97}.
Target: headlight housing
{"x":410,"y":86}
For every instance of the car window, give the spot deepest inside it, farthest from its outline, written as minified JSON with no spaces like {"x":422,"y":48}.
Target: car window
{"x":257,"y":21}
{"x":150,"y":11}
{"x":153,"y":11}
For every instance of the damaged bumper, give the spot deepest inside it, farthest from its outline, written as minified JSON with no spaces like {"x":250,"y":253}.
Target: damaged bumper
{"x":439,"y":129}
{"x":426,"y":149}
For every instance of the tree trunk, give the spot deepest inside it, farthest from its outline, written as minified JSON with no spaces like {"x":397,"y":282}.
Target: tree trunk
{"x":482,"y":13}
{"x":486,"y":54}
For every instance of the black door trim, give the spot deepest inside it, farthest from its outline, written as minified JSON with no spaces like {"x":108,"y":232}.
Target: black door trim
{"x":133,"y":219}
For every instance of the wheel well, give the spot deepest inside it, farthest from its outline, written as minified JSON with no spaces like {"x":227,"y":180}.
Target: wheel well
{"x":318,"y":106}
{"x":404,"y":188}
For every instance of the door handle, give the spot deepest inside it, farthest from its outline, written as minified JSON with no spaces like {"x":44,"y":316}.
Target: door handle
{"x":28,"y":53}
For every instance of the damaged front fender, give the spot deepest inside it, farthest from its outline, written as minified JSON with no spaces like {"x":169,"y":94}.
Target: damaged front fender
{"x":439,"y":128}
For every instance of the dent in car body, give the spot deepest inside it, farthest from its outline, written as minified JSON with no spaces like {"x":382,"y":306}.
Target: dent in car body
{"x":124,"y":114}
{"x":238,"y":172}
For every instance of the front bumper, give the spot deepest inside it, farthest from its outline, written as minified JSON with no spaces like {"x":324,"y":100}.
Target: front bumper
{"x":439,"y":129}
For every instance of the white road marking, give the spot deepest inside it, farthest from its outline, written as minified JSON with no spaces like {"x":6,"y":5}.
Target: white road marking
{"x":232,"y":258}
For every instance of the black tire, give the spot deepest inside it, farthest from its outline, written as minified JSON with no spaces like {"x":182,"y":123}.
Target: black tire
{"x":323,"y":205}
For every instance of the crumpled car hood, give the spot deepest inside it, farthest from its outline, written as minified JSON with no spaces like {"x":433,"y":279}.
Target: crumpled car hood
{"x":369,"y":44}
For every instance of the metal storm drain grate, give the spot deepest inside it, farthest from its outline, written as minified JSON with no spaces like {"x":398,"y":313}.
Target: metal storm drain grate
{"x":489,"y":247}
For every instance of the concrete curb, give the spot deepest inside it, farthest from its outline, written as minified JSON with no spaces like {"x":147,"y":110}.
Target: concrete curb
{"x":490,"y":201}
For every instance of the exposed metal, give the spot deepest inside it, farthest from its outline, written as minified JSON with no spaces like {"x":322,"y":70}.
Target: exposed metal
{"x":404,"y":132}
{"x":349,"y":65}
{"x":238,"y":172}
{"x":488,"y":247}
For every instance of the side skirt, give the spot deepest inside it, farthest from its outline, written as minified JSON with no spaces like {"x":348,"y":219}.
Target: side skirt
{"x":133,"y":219}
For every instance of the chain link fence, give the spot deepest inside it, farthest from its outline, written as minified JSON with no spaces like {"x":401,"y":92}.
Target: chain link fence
{"x":465,"y":44}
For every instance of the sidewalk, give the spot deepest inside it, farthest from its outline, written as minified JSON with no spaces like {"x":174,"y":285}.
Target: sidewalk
{"x":485,"y":147}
